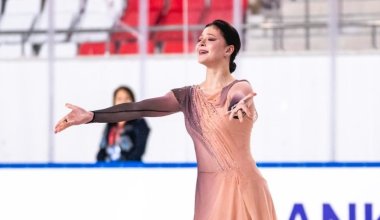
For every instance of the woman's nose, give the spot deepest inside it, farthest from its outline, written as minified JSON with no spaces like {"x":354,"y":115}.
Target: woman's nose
{"x":202,"y":43}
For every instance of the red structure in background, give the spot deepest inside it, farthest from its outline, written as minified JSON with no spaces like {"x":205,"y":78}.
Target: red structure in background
{"x":165,"y":13}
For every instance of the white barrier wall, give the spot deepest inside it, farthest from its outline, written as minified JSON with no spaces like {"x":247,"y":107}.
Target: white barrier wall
{"x":293,"y":103}
{"x":168,"y":193}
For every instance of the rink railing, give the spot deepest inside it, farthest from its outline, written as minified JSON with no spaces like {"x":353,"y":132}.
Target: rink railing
{"x":189,"y":165}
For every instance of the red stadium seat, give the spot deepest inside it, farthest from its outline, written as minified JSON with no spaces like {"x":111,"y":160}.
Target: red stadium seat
{"x":218,"y":14}
{"x":198,"y":13}
{"x":173,"y":16}
{"x":223,"y":10}
{"x":176,"y":46}
{"x":92,"y":48}
{"x":131,"y":16}
{"x":219,"y":10}
{"x":172,"y":41}
{"x":133,"y":48}
{"x":196,"y":9}
{"x":164,"y":13}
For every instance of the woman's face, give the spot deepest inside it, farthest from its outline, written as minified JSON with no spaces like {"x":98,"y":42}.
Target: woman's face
{"x":211,"y":46}
{"x":122,"y":96}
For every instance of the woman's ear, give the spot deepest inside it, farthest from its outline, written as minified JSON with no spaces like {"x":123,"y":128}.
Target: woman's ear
{"x":229,"y":50}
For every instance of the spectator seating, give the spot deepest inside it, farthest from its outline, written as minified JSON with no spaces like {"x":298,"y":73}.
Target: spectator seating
{"x":99,"y":14}
{"x":19,"y":15}
{"x":127,"y":42}
{"x":66,"y":13}
{"x":93,"y":48}
{"x":173,"y":41}
{"x":87,"y":24}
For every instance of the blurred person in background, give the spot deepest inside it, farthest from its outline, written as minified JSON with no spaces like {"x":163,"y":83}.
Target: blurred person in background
{"x":123,"y":141}
{"x":219,"y":115}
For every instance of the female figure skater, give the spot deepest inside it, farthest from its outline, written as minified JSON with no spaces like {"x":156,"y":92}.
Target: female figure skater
{"x":219,"y":116}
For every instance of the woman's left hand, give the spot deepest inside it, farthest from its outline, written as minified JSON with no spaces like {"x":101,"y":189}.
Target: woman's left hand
{"x":241,"y":108}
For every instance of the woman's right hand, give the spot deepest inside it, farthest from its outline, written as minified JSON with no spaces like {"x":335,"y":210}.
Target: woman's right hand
{"x":77,"y":116}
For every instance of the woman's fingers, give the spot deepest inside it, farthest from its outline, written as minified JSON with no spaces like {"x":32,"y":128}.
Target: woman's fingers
{"x":59,"y":127}
{"x":59,"y":124}
{"x":247,"y":100}
{"x":247,"y":97}
{"x":241,"y":109}
{"x":235,"y":114}
{"x":247,"y":111}
{"x":62,"y":124}
{"x":76,"y":116}
{"x":66,"y":121}
{"x":240,"y":115}
{"x":232,"y":114}
{"x":71,"y":106}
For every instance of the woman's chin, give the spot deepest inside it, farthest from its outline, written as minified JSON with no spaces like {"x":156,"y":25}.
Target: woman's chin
{"x":202,"y":61}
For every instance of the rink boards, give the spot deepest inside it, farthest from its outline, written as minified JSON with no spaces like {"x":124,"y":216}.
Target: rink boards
{"x":166,"y":191}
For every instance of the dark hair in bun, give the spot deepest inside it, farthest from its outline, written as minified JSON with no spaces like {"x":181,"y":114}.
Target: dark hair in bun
{"x":231,"y":36}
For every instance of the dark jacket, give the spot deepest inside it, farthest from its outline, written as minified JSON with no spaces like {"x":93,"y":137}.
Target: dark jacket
{"x":132,"y":142}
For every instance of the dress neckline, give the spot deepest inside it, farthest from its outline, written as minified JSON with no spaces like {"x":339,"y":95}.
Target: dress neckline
{"x":216,"y":91}
{"x":215,"y":99}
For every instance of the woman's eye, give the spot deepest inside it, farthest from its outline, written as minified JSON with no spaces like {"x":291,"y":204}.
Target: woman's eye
{"x":211,"y":39}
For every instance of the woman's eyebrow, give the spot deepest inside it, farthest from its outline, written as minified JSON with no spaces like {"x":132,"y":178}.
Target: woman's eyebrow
{"x":207,"y":34}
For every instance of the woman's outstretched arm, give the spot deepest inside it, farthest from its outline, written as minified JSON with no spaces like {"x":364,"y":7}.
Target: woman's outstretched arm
{"x":153,"y":107}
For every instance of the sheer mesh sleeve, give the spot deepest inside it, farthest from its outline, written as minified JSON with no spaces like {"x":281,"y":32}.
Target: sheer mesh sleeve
{"x":154,"y":107}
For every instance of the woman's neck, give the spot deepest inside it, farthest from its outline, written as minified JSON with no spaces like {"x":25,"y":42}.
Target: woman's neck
{"x":121,"y":123}
{"x":217,"y":78}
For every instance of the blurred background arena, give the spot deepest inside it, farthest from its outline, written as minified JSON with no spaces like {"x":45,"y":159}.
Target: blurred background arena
{"x":315,"y":65}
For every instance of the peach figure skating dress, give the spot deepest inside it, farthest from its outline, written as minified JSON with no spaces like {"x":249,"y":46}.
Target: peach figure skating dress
{"x":229,"y":185}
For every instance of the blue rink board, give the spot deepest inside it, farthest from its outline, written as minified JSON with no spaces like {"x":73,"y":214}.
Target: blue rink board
{"x":190,"y":165}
